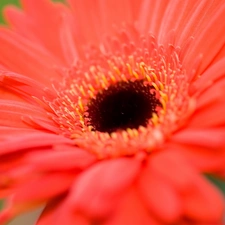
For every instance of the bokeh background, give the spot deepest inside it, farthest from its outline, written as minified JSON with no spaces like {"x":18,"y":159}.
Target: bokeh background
{"x":30,"y":218}
{"x":14,"y":2}
{"x":3,"y":3}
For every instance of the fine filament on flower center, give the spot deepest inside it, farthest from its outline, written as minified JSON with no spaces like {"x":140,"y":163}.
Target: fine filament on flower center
{"x":156,"y":66}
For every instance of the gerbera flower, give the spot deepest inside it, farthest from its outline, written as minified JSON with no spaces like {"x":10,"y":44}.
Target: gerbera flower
{"x":112,"y":110}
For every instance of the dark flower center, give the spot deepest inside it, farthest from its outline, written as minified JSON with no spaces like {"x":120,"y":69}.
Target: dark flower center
{"x":121,"y":106}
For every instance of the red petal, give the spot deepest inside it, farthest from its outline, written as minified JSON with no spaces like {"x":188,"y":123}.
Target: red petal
{"x":12,"y":112}
{"x":208,"y":138}
{"x":36,"y":28}
{"x":62,"y":157}
{"x":35,"y":192}
{"x":204,"y":203}
{"x":41,"y":188}
{"x":40,"y":61}
{"x":151,"y":15}
{"x":171,"y":166}
{"x":203,"y":159}
{"x":214,"y":73}
{"x":6,"y":132}
{"x":25,"y":88}
{"x":201,"y":26}
{"x":132,"y":211}
{"x":91,"y":27}
{"x":209,"y":116}
{"x":29,"y":141}
{"x":160,"y":197}
{"x":98,"y":189}
{"x":210,"y":108}
{"x":57,"y":212}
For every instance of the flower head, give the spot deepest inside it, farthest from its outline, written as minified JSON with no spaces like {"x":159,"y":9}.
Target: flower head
{"x":111,"y":110}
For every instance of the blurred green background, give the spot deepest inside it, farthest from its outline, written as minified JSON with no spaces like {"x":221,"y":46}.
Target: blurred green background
{"x":3,"y":3}
{"x":15,"y":2}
